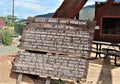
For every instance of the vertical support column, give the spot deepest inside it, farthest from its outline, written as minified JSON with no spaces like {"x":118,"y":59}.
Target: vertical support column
{"x":115,"y":62}
{"x":100,"y":48}
{"x":77,"y":16}
{"x":97,"y":48}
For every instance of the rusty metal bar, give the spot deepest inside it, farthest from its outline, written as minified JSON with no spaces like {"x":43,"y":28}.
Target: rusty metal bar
{"x":69,"y":8}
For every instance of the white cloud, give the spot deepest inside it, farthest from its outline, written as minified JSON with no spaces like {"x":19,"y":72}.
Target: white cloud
{"x":91,"y":2}
{"x":1,"y":3}
{"x":25,"y":8}
{"x":29,"y":1}
{"x":96,"y":0}
{"x":6,"y":12}
{"x":31,"y":6}
{"x":60,"y":1}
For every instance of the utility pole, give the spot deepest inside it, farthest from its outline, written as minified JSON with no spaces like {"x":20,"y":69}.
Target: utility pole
{"x":13,"y":12}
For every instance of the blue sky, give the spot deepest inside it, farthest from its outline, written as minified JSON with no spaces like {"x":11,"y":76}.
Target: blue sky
{"x":25,"y":8}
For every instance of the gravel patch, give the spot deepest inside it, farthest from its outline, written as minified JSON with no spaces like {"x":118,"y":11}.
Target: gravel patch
{"x":7,"y":50}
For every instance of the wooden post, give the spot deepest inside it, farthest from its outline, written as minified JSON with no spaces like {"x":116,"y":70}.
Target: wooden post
{"x":19,"y":78}
{"x":48,"y":80}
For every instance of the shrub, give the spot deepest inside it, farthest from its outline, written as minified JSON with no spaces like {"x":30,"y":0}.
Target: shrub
{"x":19,"y":28}
{"x":60,"y":81}
{"x":6,"y":37}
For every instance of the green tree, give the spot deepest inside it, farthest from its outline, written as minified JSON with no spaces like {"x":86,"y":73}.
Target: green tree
{"x":3,"y":18}
{"x":9,"y":20}
{"x":18,"y":25}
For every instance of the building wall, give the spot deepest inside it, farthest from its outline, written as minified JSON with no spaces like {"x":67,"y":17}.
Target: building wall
{"x":113,"y":12}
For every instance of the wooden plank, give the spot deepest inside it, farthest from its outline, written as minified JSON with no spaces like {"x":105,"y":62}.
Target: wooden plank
{"x":58,"y":35}
{"x":48,"y":80}
{"x":20,"y":75}
{"x":59,"y":66}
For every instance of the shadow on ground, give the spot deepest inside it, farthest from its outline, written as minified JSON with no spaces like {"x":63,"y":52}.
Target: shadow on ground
{"x":105,"y":74}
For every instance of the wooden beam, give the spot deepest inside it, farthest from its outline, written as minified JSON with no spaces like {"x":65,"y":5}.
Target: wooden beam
{"x":20,"y":75}
{"x":48,"y":80}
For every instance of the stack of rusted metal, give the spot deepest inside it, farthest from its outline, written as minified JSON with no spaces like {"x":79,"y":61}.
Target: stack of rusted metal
{"x":55,"y":47}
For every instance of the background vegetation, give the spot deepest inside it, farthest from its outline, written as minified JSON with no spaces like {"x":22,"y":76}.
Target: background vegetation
{"x":13,"y":27}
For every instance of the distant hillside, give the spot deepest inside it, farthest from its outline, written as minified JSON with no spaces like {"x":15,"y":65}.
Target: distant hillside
{"x":45,"y":15}
{"x":85,"y":14}
{"x":90,"y":6}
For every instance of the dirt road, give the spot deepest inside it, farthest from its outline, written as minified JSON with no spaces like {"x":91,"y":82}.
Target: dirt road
{"x":6,"y":77}
{"x":101,"y":71}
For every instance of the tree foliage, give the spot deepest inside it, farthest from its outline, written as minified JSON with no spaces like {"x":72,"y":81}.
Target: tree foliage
{"x":9,"y":20}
